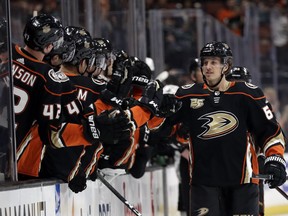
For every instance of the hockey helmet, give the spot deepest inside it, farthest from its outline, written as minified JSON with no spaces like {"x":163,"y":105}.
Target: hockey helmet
{"x":42,"y":30}
{"x":66,"y":51}
{"x":194,"y":65}
{"x":83,"y":44}
{"x":3,"y":35}
{"x":102,"y":45}
{"x":217,"y":49}
{"x":238,"y":73}
{"x":102,"y":51}
{"x":141,"y":72}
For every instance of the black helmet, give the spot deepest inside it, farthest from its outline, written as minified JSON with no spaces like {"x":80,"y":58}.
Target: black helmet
{"x":83,"y":43}
{"x":102,"y":45}
{"x":3,"y":35}
{"x":218,"y":49}
{"x":42,"y":30}
{"x":194,"y":65}
{"x":66,"y":51}
{"x":239,"y":74}
{"x":141,"y":72}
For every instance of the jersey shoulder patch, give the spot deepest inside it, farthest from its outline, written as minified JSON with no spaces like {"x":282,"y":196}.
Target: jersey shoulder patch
{"x":193,"y":88}
{"x":98,"y":81}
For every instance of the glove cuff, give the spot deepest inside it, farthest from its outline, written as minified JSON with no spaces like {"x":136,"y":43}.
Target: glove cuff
{"x":149,"y":104}
{"x":110,"y":98}
{"x":275,"y":158}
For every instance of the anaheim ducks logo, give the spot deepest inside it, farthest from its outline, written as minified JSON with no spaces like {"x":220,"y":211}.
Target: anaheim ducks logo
{"x":250,"y":85}
{"x":218,"y":124}
{"x":46,"y":28}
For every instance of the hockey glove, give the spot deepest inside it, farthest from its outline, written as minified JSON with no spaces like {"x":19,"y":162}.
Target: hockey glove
{"x":78,"y":182}
{"x":275,"y":165}
{"x":121,"y":79}
{"x":169,"y":105}
{"x":108,"y":127}
{"x":110,"y":98}
{"x":152,"y":97}
{"x":114,"y":125}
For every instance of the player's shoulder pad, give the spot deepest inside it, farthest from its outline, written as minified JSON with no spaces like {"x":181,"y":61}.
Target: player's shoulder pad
{"x":189,"y":89}
{"x":248,"y":89}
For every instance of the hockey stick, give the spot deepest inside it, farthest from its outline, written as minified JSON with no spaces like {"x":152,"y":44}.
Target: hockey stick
{"x":270,"y":177}
{"x":116,"y":193}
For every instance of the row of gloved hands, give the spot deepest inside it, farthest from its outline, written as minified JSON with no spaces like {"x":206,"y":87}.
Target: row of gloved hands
{"x":119,"y":86}
{"x":114,"y":125}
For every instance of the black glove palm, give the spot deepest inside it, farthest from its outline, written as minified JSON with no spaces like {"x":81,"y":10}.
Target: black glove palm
{"x":276,"y":166}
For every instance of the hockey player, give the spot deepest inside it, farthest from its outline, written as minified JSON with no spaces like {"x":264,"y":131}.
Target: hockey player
{"x":103,"y":58}
{"x":37,"y":87}
{"x":222,"y":116}
{"x":81,"y":154}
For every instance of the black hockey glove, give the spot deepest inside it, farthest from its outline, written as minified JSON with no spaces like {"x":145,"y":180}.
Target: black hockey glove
{"x":169,"y":105}
{"x":114,"y":125}
{"x":78,"y":182}
{"x":109,"y":126}
{"x":110,"y":98}
{"x":152,"y":96}
{"x":121,"y":79}
{"x":275,"y":165}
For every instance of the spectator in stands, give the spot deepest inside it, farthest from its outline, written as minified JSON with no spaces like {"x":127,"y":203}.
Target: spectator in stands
{"x":231,"y":15}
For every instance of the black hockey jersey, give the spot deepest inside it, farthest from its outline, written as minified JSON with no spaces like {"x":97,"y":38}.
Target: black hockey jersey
{"x":37,"y":95}
{"x":88,"y":89}
{"x":221,"y":125}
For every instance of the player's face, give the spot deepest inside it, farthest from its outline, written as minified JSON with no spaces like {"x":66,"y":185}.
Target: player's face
{"x":212,"y":69}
